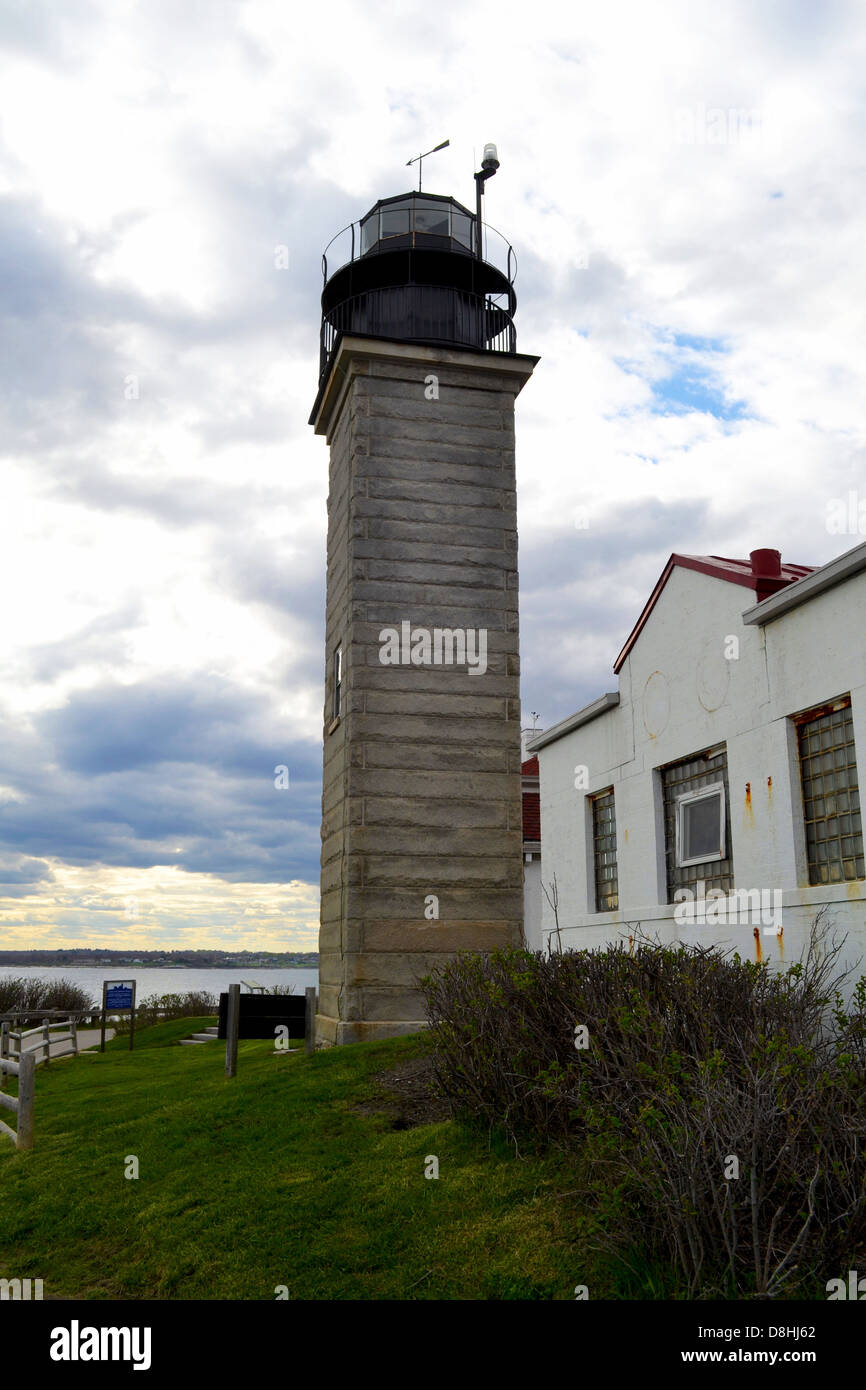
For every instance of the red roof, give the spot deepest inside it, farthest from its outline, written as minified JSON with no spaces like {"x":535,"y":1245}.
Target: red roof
{"x":531,"y":803}
{"x":719,"y":567}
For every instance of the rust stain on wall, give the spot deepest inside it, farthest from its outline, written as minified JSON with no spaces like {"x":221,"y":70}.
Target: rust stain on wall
{"x":749,"y":811}
{"x":779,"y":937}
{"x":758,"y":953}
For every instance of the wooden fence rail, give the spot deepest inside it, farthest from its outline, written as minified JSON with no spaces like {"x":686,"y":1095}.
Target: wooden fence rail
{"x":22,"y":1104}
{"x":19,"y":1059}
{"x":20,"y":1016}
{"x":16,"y":1042}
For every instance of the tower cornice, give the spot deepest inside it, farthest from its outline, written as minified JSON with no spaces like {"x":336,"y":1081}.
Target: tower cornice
{"x":354,"y":354}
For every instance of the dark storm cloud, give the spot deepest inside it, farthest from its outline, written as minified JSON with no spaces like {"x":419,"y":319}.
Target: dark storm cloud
{"x":19,"y":875}
{"x":582,"y":591}
{"x":118,"y":728}
{"x":645,"y":527}
{"x":125,"y":775}
{"x":287,"y":577}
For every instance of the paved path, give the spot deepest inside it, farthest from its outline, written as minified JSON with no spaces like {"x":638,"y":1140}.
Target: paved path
{"x":87,"y":1037}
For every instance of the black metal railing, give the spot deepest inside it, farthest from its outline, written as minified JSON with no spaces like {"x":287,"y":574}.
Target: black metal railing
{"x":421,"y":313}
{"x":348,"y":245}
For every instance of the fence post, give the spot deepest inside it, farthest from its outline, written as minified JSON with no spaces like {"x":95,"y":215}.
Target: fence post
{"x":46,"y":1041}
{"x":74,"y":1025}
{"x":4,"y":1051}
{"x":26,"y":1090}
{"x":310,"y":1018}
{"x":234,"y":1010}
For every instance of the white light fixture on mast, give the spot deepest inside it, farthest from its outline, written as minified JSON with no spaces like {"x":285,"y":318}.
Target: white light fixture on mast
{"x":489,"y":165}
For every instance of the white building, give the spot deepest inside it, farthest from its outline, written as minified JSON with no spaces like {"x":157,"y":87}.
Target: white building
{"x":725,"y":765}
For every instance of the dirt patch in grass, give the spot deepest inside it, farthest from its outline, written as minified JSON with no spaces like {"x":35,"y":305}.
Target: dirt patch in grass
{"x":406,"y":1096}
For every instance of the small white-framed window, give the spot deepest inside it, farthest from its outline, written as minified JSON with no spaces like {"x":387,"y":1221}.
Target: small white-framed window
{"x":337,"y":683}
{"x":701,"y":825}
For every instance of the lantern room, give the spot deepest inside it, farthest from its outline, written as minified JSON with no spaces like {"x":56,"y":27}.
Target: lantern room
{"x":417,"y":269}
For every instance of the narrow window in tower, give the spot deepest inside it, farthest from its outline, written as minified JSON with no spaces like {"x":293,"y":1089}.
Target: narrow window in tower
{"x":337,"y":683}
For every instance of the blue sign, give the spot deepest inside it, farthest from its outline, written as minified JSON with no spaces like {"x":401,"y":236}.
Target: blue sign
{"x":120,"y":997}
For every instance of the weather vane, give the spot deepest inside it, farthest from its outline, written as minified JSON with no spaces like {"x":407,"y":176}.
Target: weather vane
{"x":419,"y":157}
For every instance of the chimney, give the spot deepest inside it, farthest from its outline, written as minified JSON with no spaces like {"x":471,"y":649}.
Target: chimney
{"x":766,"y":572}
{"x":526,"y":735}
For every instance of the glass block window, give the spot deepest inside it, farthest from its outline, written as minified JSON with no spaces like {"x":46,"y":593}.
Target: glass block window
{"x":831,"y":797}
{"x":697,"y":820}
{"x":604,"y":852}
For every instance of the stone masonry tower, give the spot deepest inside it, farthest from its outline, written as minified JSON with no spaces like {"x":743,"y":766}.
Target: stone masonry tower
{"x":421,"y":800}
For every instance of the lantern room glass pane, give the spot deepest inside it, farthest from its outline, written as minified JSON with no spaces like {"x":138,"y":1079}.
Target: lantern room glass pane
{"x":461,"y":228}
{"x":395,"y":222}
{"x":432,"y":218}
{"x":369,"y":232}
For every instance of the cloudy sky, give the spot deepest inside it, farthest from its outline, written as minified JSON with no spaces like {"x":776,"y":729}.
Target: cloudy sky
{"x":684,"y":186}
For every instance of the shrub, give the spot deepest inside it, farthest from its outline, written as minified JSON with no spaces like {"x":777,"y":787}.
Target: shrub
{"x":694,"y":1059}
{"x":22,"y":992}
{"x":156,"y":1008}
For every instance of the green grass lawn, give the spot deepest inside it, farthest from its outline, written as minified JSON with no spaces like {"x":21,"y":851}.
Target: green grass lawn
{"x":274,"y":1178}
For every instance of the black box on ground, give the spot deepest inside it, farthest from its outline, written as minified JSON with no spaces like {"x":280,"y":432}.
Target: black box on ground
{"x":262,"y":1014}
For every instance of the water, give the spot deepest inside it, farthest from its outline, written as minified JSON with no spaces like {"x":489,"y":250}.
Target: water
{"x":169,"y":980}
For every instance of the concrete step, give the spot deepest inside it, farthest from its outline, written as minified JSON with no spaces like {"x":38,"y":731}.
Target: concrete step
{"x":191,"y":1042}
{"x":207,"y":1036}
{"x":210,"y":1031}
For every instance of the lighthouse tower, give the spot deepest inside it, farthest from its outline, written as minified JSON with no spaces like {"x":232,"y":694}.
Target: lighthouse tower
{"x":421,"y":799}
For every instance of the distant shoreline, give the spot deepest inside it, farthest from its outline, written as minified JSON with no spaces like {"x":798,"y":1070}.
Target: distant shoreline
{"x":305,"y":961}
